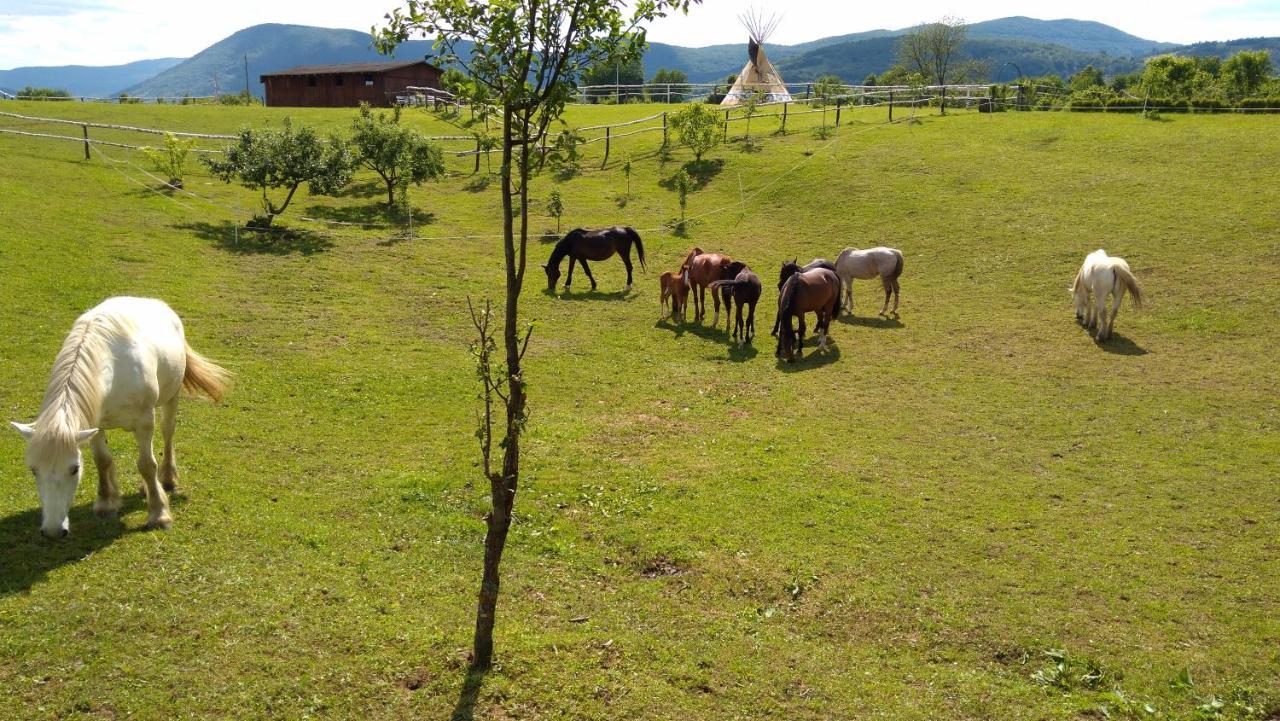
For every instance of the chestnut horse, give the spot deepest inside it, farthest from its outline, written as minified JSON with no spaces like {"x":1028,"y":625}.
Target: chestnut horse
{"x":813,"y":291}
{"x":583,"y":245}
{"x":675,"y":286}
{"x":744,"y":289}
{"x":705,"y":269}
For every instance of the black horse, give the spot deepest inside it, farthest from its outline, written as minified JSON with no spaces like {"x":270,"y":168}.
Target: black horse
{"x":583,"y":245}
{"x":745,"y":289}
{"x":790,"y":268}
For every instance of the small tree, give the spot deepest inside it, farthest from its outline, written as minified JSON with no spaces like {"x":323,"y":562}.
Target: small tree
{"x":626,"y":171}
{"x":1088,"y":77}
{"x":827,"y":88}
{"x":1245,"y":72}
{"x":555,"y":206}
{"x":399,"y":155}
{"x":698,"y":127}
{"x":929,"y":49}
{"x":170,"y":160}
{"x":750,"y":105}
{"x":683,"y":183}
{"x":564,"y":155}
{"x":671,"y":85}
{"x":267,"y":160}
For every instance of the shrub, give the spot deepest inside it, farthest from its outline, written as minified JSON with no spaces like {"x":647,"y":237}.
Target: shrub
{"x":1266,"y":105}
{"x":33,"y":93}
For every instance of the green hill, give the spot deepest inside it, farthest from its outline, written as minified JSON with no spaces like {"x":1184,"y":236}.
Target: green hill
{"x":85,"y":80}
{"x":1082,"y":35}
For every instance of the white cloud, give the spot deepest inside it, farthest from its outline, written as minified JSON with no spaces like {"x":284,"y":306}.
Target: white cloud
{"x":108,"y":32}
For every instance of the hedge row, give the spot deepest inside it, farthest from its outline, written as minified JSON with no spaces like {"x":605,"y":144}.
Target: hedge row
{"x":1166,"y":105}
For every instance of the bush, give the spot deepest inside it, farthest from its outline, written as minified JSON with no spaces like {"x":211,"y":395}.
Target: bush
{"x":1209,"y":105}
{"x":170,"y":161}
{"x":1260,"y":105}
{"x":241,"y":98}
{"x":698,"y":128}
{"x":33,"y":93}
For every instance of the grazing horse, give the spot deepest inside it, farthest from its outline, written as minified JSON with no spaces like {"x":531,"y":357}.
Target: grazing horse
{"x":121,"y":361}
{"x":1100,"y":276}
{"x":675,"y":286}
{"x":583,"y":245}
{"x":813,"y":291}
{"x":882,"y":263}
{"x":705,"y":269}
{"x":790,"y":268}
{"x":744,"y":289}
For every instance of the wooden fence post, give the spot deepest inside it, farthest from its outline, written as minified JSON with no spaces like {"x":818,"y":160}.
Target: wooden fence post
{"x":839,"y":103}
{"x":607,"y":134}
{"x":726,"y":126}
{"x":891,"y":106}
{"x":784,"y":118}
{"x":542,"y":157}
{"x":808,"y":91}
{"x":477,"y":157}
{"x":664,"y":128}
{"x":85,"y":128}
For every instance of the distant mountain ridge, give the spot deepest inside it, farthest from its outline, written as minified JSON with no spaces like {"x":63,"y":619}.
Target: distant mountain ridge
{"x":1033,"y":47}
{"x":85,"y":80}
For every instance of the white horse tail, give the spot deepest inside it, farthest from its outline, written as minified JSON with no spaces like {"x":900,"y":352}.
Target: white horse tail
{"x":204,"y":376}
{"x":897,"y":267}
{"x":1125,"y":278}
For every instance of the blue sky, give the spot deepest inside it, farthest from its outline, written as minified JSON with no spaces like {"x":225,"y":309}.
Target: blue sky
{"x":107,"y":32}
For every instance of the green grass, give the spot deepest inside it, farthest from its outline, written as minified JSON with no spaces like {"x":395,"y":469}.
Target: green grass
{"x":901,"y":529}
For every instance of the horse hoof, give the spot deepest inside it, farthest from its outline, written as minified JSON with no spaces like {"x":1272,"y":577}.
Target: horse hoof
{"x":162,"y":523}
{"x":106,"y":514}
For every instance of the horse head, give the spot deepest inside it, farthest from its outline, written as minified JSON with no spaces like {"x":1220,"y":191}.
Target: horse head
{"x":789,"y":268}
{"x":54,"y":460}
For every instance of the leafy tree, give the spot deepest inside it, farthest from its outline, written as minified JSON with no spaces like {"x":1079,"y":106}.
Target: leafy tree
{"x":267,"y":160}
{"x":670,"y":85}
{"x":698,"y":128}
{"x":455,"y":81}
{"x":1246,"y":72}
{"x":613,"y":74}
{"x":1173,"y":76}
{"x":555,"y":206}
{"x":171,"y":159}
{"x":871,"y":80}
{"x":32,"y":93}
{"x":400,"y":156}
{"x":1088,"y":77}
{"x":564,"y":155}
{"x":1124,"y":81}
{"x":929,"y":50}
{"x":528,"y":54}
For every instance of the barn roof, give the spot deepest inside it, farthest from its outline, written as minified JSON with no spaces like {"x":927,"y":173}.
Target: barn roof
{"x":348,"y":68}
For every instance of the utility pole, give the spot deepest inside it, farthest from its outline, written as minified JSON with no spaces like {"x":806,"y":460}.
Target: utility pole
{"x":246,"y":77}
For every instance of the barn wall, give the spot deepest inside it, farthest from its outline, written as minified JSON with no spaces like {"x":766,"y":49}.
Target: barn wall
{"x":296,"y":91}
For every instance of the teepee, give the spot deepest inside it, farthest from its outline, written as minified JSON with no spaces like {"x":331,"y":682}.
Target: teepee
{"x":758,"y":76}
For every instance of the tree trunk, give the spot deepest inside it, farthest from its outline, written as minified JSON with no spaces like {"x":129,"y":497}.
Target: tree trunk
{"x":503,"y":487}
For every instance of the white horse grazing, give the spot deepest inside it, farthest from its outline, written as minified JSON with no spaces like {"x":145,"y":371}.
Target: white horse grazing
{"x":121,"y":361}
{"x":1100,"y":276}
{"x":882,"y":263}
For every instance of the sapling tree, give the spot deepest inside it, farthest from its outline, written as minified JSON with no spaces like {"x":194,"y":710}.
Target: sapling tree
{"x":282,"y":160}
{"x":555,"y":206}
{"x":170,"y":160}
{"x":698,"y":127}
{"x":400,"y":156}
{"x":528,"y":54}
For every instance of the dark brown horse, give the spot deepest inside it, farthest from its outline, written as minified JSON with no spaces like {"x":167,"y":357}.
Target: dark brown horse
{"x":705,"y":269}
{"x":813,"y":291}
{"x":744,"y":289}
{"x":790,"y":268}
{"x":583,"y":245}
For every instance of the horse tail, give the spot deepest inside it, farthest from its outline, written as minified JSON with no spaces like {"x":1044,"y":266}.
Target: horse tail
{"x":204,"y":376}
{"x":897,"y":266}
{"x":835,"y":313}
{"x":1125,"y":277}
{"x":635,"y":238}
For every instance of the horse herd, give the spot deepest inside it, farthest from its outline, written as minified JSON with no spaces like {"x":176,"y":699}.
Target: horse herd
{"x":821,"y":287}
{"x":127,"y":357}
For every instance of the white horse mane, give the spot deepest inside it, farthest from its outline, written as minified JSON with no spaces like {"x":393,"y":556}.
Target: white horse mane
{"x":73,"y":397}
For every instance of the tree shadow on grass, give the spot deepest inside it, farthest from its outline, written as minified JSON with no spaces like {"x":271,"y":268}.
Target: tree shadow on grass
{"x":465,"y":708}
{"x":363,"y":189}
{"x":478,"y":184}
{"x":871,"y":321}
{"x":27,"y":557}
{"x":812,"y":359}
{"x":276,"y":241}
{"x":1120,"y":345}
{"x":700,"y":171}
{"x":373,"y":214}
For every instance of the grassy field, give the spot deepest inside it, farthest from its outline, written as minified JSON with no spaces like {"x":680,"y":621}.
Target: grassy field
{"x":902,"y":528}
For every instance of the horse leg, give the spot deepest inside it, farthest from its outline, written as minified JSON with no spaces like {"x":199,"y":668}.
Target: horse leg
{"x":569,"y":279}
{"x":800,"y":338}
{"x":701,"y":307}
{"x":1099,"y":314}
{"x":158,"y":515}
{"x":848,"y":292}
{"x":626,"y":261}
{"x":888,"y":290}
{"x":896,"y":293}
{"x":169,"y":466}
{"x":107,"y":504}
{"x":750,"y":332}
{"x":738,"y":330}
{"x":715,"y":301}
{"x":587,"y":269}
{"x":1115,"y":309}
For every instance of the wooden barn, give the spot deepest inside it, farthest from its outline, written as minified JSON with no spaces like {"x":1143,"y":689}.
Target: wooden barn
{"x":348,"y":85}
